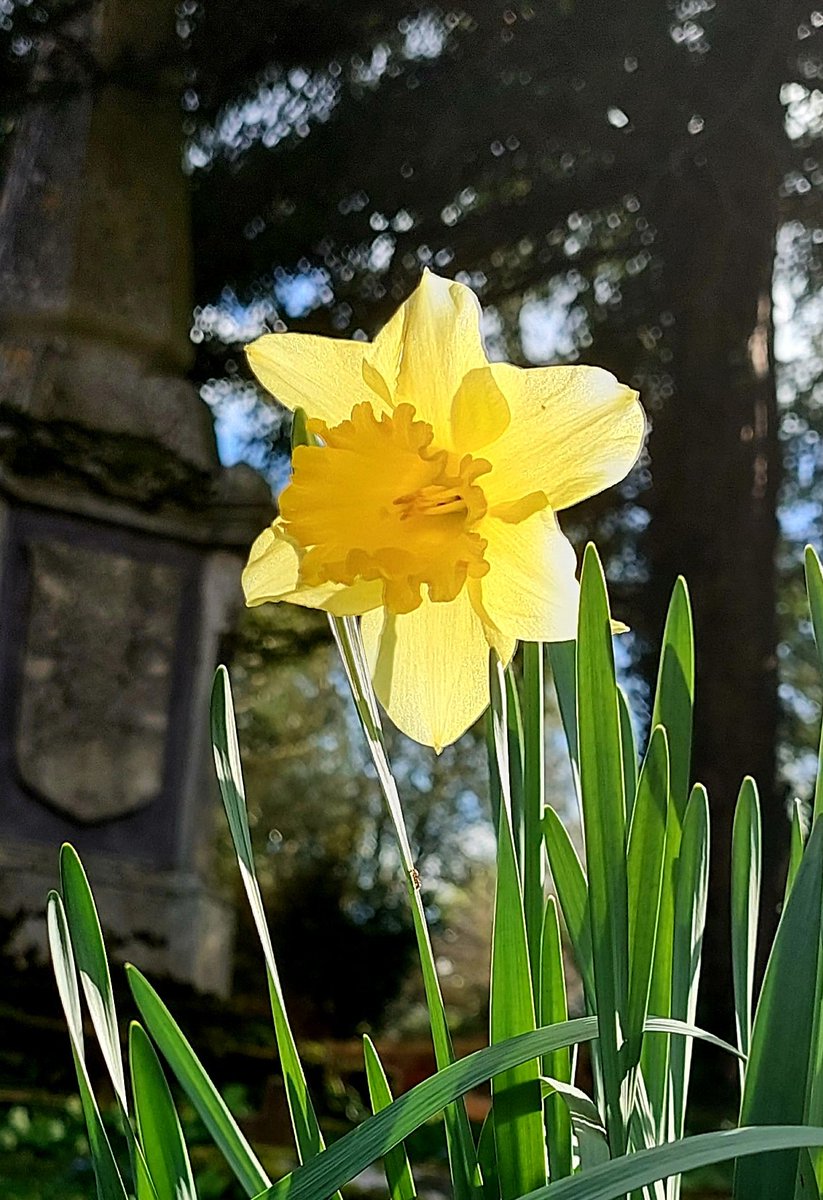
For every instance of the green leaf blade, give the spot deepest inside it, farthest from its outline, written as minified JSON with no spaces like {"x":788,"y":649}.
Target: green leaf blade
{"x":777,"y":1077}
{"x":92,"y":964}
{"x":604,"y":820}
{"x":745,"y":902}
{"x":516,"y":1098}
{"x":691,"y":895}
{"x":628,"y":747}
{"x":645,"y":1167}
{"x":645,"y":859}
{"x":197,"y":1085}
{"x":814,"y":590}
{"x":797,"y":845}
{"x":533,"y":776}
{"x":563,"y":660}
{"x":396,"y":1163}
{"x":158,"y":1126}
{"x":673,"y":706}
{"x":572,"y":894}
{"x":308,"y":1138}
{"x":356,"y":1150}
{"x":557,"y":1065}
{"x":107,"y":1176}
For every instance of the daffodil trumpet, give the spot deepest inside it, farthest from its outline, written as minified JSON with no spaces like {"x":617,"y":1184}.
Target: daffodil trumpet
{"x":425,"y":502}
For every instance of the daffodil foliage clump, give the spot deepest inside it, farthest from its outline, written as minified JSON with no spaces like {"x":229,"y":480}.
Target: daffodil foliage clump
{"x":421,"y":516}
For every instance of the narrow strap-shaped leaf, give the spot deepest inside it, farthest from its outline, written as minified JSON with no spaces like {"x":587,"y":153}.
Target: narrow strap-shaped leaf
{"x":516,"y":1099}
{"x":810,"y":1169}
{"x":777,"y":1077}
{"x":459,"y":1140}
{"x":557,"y":1065}
{"x":814,"y":590}
{"x":563,"y":659}
{"x":691,"y":894}
{"x":745,"y":901}
{"x":589,"y":1130}
{"x":813,"y":1183}
{"x":192,"y":1077}
{"x":796,"y":847}
{"x":643,"y":1136}
{"x":158,"y":1125}
{"x":604,"y":821}
{"x":106,"y":1173}
{"x":370,"y":1140}
{"x":628,"y":747}
{"x":615,"y":1178}
{"x":807,"y":1187}
{"x":516,"y":752}
{"x":645,"y":857}
{"x":356,"y":1150}
{"x":673,"y":703}
{"x":396,"y":1163}
{"x":92,"y":964}
{"x":688,"y":1030}
{"x":487,"y":1158}
{"x":572,"y":894}
{"x":308,"y":1138}
{"x":674,"y":694}
{"x":810,"y":1165}
{"x":533,"y":776}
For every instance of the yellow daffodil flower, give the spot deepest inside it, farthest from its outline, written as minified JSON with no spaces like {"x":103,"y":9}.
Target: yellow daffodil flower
{"x":428,"y":506}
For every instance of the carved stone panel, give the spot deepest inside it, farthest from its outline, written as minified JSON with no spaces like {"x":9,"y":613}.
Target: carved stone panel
{"x":96,"y":679}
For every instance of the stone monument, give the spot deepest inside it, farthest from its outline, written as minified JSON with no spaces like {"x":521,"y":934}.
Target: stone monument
{"x":121,"y":537}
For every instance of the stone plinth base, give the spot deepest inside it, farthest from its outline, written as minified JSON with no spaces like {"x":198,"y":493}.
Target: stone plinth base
{"x":167,"y":923}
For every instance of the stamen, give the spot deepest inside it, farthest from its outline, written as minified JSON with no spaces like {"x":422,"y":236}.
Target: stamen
{"x":432,"y":501}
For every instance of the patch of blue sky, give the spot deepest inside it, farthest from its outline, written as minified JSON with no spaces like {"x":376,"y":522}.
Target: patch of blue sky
{"x":247,"y":428}
{"x":549,"y":324}
{"x":304,"y":291}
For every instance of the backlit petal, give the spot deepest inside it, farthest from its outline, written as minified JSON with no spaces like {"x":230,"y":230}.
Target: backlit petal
{"x":574,"y":431}
{"x":503,"y":644}
{"x":530,"y":591}
{"x":273,"y":567}
{"x":428,"y":347}
{"x":430,"y":668}
{"x":479,"y":411}
{"x":323,"y":375}
{"x":272,"y":573}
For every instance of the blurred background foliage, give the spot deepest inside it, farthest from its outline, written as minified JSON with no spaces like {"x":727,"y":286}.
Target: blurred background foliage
{"x":635,"y":185}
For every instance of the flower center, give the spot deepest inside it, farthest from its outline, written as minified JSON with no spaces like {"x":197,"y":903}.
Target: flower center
{"x":378,"y":501}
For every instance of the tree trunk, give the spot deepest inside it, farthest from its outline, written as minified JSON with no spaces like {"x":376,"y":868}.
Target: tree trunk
{"x":716,"y":467}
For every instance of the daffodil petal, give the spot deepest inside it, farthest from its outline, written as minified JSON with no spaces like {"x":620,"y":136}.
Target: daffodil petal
{"x":425,"y":351}
{"x":430,"y":668}
{"x":530,"y":591}
{"x":273,"y":574}
{"x":503,"y":645}
{"x":479,"y":411}
{"x":323,"y":375}
{"x":273,"y":567}
{"x":574,"y":431}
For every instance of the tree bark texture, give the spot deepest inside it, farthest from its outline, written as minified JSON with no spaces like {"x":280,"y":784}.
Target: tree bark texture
{"x":715,"y":460}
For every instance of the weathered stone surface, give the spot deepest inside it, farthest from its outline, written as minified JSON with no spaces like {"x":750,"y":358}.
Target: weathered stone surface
{"x":104,"y":388}
{"x":96,"y":681}
{"x":121,"y":538}
{"x":95,"y":200}
{"x":168,"y":923}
